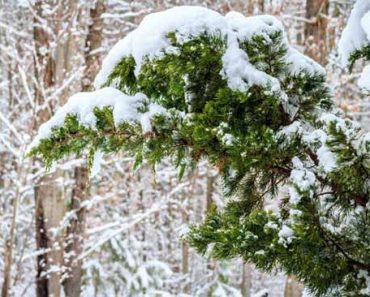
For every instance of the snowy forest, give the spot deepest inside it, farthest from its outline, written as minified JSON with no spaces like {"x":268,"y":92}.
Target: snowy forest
{"x":185,"y":148}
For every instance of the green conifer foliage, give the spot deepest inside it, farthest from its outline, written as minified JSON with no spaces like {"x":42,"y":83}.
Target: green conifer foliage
{"x":361,"y":53}
{"x":278,"y":139}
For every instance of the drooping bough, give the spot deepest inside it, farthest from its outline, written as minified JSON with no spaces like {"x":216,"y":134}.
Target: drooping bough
{"x":191,"y":84}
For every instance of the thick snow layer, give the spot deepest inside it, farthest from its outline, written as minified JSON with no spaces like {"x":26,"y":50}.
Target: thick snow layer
{"x":246,"y":27}
{"x":354,"y":35}
{"x":298,"y":62}
{"x":357,"y":35}
{"x":240,"y":74}
{"x":364,"y":81}
{"x":365,"y":24}
{"x":83,"y":104}
{"x":150,"y":40}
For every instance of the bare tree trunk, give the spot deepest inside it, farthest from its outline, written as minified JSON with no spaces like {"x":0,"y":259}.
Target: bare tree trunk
{"x":185,"y":255}
{"x":8,"y":253}
{"x":75,"y":231}
{"x":253,"y":7}
{"x":8,"y":249}
{"x":42,"y":288}
{"x":261,"y":6}
{"x":44,"y":76}
{"x":49,"y":212}
{"x":246,"y":280}
{"x":11,"y":239}
{"x":292,"y":287}
{"x":211,"y":264}
{"x":315,"y":30}
{"x":74,"y":236}
{"x":93,"y":43}
{"x":209,"y":189}
{"x":184,"y":244}
{"x":49,"y":191}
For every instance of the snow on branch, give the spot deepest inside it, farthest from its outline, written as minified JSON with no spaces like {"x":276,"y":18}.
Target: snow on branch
{"x":83,"y":105}
{"x":150,"y":40}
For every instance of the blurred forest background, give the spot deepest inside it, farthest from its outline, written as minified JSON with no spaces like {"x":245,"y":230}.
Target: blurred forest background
{"x":63,"y":234}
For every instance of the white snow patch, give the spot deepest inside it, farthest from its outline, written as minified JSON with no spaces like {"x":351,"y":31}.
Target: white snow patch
{"x":298,"y":62}
{"x":272,"y":225}
{"x":316,"y":136}
{"x":246,"y":27}
{"x":364,"y":81}
{"x":290,"y":131}
{"x":285,"y":235}
{"x":327,"y":159}
{"x":96,"y":165}
{"x":294,"y":196}
{"x":241,"y":74}
{"x":354,"y":36}
{"x":301,"y":177}
{"x":365,"y":275}
{"x":365,"y":24}
{"x":362,"y":144}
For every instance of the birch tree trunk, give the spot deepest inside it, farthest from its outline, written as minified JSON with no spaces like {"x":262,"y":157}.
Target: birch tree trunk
{"x":75,"y":230}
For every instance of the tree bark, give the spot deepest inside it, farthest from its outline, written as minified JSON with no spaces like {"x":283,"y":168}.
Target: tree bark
{"x":315,"y":30}
{"x":49,"y":190}
{"x":292,"y":287}
{"x":8,"y":253}
{"x":49,"y":212}
{"x":246,"y":280}
{"x":75,"y":231}
{"x":11,"y":240}
{"x":92,"y":44}
{"x":209,"y":190}
{"x":185,"y":256}
{"x":44,"y":193}
{"x":74,"y":235}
